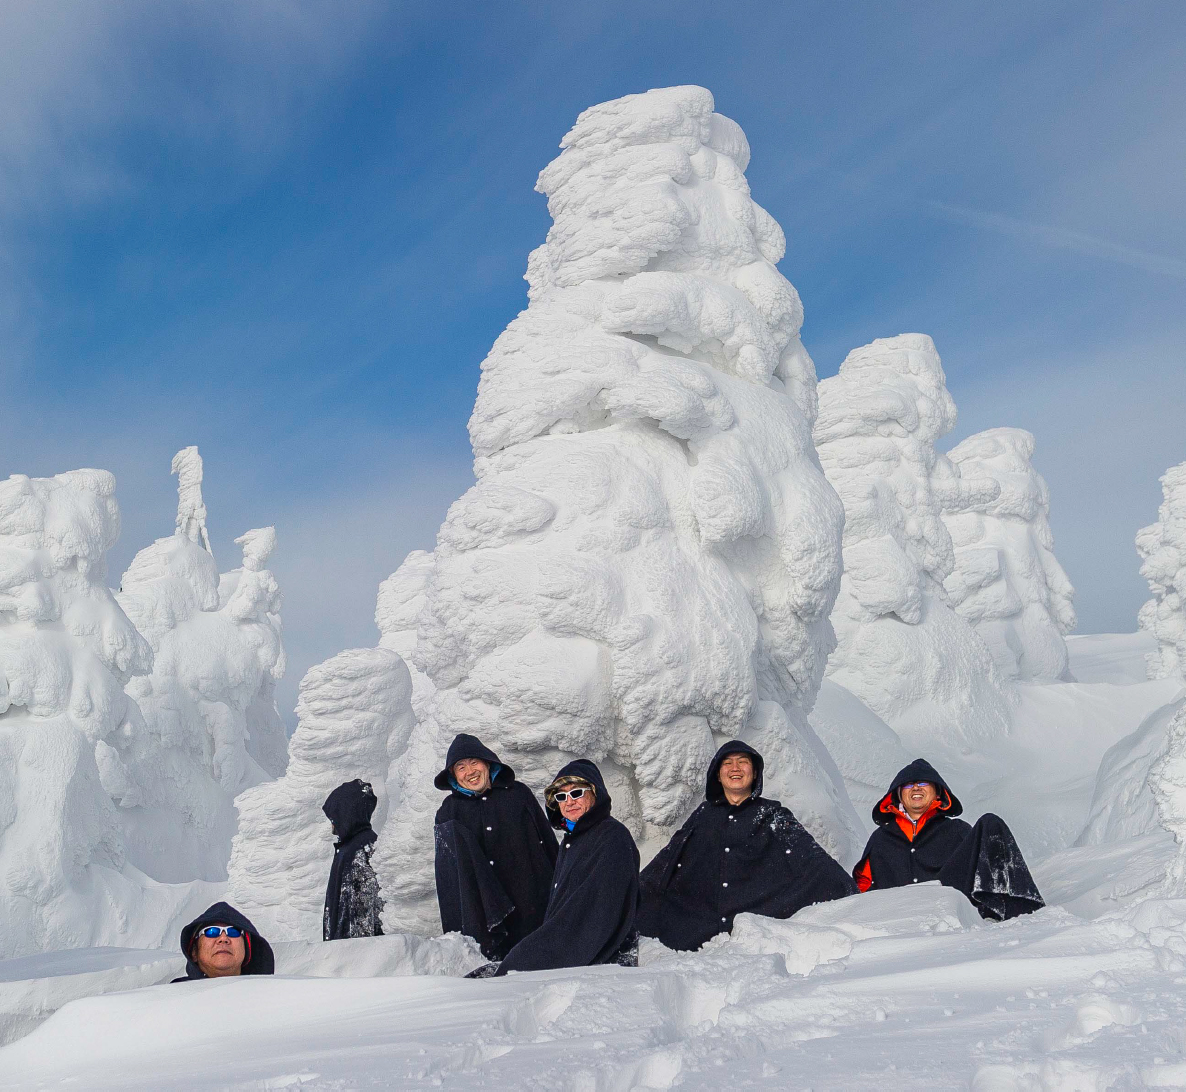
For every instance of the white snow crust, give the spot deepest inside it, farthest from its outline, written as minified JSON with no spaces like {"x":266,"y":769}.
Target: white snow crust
{"x":902,"y":649}
{"x":1162,"y":547}
{"x":1006,"y":581}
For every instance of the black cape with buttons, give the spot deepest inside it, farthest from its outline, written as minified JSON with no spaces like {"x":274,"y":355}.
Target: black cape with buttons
{"x":494,"y":855}
{"x":258,"y":957}
{"x":594,"y":902}
{"x":353,"y":905}
{"x":754,"y":857}
{"x":982,"y":860}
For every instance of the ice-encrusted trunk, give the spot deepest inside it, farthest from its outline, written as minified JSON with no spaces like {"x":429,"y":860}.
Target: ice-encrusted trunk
{"x":1162,"y":547}
{"x":66,"y":652}
{"x":211,"y":725}
{"x":648,"y":560}
{"x":1006,"y":581}
{"x":902,"y":649}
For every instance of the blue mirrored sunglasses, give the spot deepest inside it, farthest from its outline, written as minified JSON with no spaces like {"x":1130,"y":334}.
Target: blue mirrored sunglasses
{"x":213,"y":931}
{"x":917,"y":785}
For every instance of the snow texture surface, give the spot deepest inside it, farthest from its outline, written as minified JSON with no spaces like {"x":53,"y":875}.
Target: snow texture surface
{"x":1162,"y":547}
{"x":648,"y":560}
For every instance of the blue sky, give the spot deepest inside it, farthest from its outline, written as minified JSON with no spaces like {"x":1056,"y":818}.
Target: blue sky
{"x":289,"y":233}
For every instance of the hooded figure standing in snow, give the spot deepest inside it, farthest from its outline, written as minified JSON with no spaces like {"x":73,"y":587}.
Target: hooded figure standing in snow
{"x":919,"y":838}
{"x":594,"y":901}
{"x":495,"y":851}
{"x":737,"y":853}
{"x":222,"y":943}
{"x":353,"y":906}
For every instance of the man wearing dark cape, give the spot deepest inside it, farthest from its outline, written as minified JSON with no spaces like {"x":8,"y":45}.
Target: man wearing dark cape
{"x":494,"y":850}
{"x":737,"y":853}
{"x":353,"y":905}
{"x":919,"y":838}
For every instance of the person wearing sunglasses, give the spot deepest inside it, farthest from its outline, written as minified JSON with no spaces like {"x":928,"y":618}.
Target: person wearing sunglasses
{"x":594,"y":901}
{"x":221,"y":943}
{"x":494,"y":850}
{"x":737,"y":853}
{"x":919,"y":838}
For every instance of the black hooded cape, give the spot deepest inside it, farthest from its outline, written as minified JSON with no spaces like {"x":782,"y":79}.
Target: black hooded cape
{"x":754,"y":857}
{"x":353,"y":905}
{"x":594,"y":901}
{"x":983,"y":860}
{"x":258,"y":958}
{"x":494,"y":855}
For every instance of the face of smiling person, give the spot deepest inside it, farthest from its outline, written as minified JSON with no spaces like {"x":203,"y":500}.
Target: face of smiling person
{"x":918,"y":797}
{"x":472,"y":774}
{"x":737,"y":777}
{"x":220,"y":956}
{"x":572,"y":809}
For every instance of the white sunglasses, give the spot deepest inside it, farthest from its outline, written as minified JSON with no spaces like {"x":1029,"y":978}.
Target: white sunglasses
{"x":575,"y":794}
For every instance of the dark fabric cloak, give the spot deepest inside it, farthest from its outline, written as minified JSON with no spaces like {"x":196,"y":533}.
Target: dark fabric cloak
{"x":982,"y":860}
{"x":754,"y":857}
{"x":594,"y":902}
{"x":495,"y":853}
{"x":353,"y":905}
{"x":258,"y":958}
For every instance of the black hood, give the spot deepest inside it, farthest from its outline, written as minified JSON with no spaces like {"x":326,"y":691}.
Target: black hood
{"x":464,"y":746}
{"x":918,"y":770}
{"x":586,"y":771}
{"x":350,"y":807}
{"x":713,"y":789}
{"x":259,"y":959}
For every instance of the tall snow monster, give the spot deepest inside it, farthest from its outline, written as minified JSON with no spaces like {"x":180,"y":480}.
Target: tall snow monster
{"x":1162,"y":547}
{"x":1006,"y":581}
{"x":648,"y":560}
{"x":902,"y":649}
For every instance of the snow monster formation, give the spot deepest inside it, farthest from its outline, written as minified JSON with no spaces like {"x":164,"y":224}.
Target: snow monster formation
{"x":1006,"y":581}
{"x":211,"y":724}
{"x":648,"y":560}
{"x":354,"y":714}
{"x":1162,"y":547}
{"x":66,"y":652}
{"x":902,"y":649}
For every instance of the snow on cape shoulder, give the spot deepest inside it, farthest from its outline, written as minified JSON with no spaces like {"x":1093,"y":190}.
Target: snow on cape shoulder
{"x":902,"y":649}
{"x":354,"y":712}
{"x":649,"y":558}
{"x":212,"y":727}
{"x":1006,"y":581}
{"x":1162,"y":547}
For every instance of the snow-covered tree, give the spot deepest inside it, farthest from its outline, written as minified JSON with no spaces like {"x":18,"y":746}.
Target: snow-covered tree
{"x":1007,"y":582}
{"x":353,"y":715}
{"x":902,"y":649}
{"x":1162,"y":547}
{"x":648,"y":560}
{"x":66,"y":652}
{"x":212,"y":728}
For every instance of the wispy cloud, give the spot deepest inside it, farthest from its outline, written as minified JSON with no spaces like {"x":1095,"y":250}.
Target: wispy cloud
{"x":1063,"y":239}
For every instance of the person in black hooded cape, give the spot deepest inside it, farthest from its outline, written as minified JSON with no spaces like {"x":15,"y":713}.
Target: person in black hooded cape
{"x":353,"y":905}
{"x":752,"y":857}
{"x":916,"y":842}
{"x":257,"y":956}
{"x":494,"y":853}
{"x":594,"y":902}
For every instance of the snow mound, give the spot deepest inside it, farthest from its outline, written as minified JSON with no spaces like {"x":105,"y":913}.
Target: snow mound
{"x":902,"y":649}
{"x":353,"y":712}
{"x":211,"y":724}
{"x":647,"y":563}
{"x":1162,"y":547}
{"x":1006,"y":581}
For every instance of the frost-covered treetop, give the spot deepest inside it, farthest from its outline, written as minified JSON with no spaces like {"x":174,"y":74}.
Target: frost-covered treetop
{"x":1162,"y":547}
{"x":191,"y":510}
{"x":1004,"y":454}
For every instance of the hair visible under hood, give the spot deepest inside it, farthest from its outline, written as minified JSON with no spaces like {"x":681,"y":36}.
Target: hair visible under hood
{"x":466,"y":746}
{"x":258,"y":959}
{"x":580,"y":769}
{"x":350,"y":807}
{"x":713,"y":789}
{"x":918,"y":770}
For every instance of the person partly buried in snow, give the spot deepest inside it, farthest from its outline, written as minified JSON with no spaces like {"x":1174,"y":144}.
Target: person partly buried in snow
{"x":495,"y":851}
{"x":594,"y":902}
{"x":222,"y":943}
{"x":919,"y":838}
{"x":737,"y":853}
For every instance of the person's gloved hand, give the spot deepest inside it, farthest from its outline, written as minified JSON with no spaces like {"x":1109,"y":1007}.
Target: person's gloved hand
{"x":486,"y":970}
